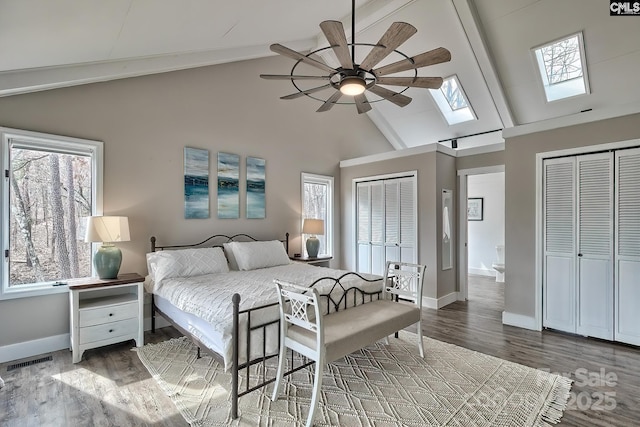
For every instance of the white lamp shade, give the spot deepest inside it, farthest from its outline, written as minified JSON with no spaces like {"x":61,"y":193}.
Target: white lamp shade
{"x":107,"y":229}
{"x":313,"y":226}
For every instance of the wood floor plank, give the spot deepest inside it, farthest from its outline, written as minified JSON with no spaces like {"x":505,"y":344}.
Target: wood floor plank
{"x":112,"y":387}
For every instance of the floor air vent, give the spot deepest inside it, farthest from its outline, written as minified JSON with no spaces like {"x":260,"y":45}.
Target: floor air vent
{"x":29,"y":363}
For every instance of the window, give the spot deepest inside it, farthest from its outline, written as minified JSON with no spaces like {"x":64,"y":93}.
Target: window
{"x":562,"y":68}
{"x":452,"y":101}
{"x":50,"y":184}
{"x":317,"y":203}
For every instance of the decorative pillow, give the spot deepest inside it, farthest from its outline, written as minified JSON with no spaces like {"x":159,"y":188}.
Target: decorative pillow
{"x":233,"y":264}
{"x":252,"y":255}
{"x":186,"y":263}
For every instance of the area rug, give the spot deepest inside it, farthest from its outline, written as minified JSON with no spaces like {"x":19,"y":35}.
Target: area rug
{"x":381,"y":385}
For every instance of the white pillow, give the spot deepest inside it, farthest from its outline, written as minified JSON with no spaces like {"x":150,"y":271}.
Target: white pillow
{"x":186,"y":263}
{"x":228,"y":251}
{"x":252,"y":255}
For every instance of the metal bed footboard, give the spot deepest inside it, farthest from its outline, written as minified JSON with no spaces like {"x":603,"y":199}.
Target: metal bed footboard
{"x":332,"y":303}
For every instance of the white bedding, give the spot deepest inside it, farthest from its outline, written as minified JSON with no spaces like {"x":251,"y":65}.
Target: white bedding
{"x":208,"y":297}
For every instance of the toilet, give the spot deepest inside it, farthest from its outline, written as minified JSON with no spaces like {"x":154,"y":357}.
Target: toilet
{"x":498,"y":266}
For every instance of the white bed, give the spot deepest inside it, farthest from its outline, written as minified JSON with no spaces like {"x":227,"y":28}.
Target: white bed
{"x":201,"y":303}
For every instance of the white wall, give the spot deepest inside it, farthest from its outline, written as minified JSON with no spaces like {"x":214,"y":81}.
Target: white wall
{"x":483,"y":236}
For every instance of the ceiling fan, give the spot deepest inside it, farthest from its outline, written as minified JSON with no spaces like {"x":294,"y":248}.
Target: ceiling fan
{"x":356,"y":80}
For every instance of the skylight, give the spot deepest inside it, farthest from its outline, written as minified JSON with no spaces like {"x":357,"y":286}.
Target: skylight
{"x":452,"y":101}
{"x":562,"y":68}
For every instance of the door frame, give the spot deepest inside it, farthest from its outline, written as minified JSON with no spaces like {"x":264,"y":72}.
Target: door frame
{"x":463,"y":237}
{"x":539,"y":246}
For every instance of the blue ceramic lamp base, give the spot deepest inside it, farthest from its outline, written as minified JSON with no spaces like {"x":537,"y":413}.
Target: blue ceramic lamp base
{"x":107,"y":261}
{"x":313,"y":245}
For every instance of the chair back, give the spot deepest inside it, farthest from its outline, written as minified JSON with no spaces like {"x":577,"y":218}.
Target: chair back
{"x":299,"y":306}
{"x":403,"y":280}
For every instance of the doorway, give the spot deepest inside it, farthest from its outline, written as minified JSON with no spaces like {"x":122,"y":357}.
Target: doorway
{"x":481,"y":224}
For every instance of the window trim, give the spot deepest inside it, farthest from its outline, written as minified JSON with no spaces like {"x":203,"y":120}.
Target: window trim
{"x":329,"y":223}
{"x":43,"y":141}
{"x":541,"y":73}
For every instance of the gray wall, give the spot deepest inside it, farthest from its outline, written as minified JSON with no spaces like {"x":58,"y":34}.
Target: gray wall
{"x":480,"y":160}
{"x":446,"y":179}
{"x":435,"y":171}
{"x":146,"y":122}
{"x":520,"y":191}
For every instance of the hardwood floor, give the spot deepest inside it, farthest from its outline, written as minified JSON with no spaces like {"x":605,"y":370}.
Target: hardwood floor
{"x":111,"y":386}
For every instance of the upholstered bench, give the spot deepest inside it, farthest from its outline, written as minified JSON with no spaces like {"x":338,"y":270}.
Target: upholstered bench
{"x":326,"y":338}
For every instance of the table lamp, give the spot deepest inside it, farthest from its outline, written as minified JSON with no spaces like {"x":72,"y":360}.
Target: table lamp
{"x":107,"y":229}
{"x":313,"y":227}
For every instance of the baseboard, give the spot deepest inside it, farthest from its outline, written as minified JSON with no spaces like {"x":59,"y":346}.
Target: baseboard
{"x":54,"y":343}
{"x":35,"y":347}
{"x":482,"y":272}
{"x":520,"y":321}
{"x":437,"y":303}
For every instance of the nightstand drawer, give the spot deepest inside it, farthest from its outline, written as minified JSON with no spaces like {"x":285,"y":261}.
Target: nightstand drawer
{"x":109,"y":330}
{"x":113,"y":313}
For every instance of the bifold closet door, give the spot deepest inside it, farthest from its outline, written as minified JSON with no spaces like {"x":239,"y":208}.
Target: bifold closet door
{"x":578,"y":245}
{"x":363,"y":204}
{"x":559,"y":206}
{"x":627,"y":301}
{"x":386,"y":225}
{"x":595,"y":245}
{"x":371,"y":218}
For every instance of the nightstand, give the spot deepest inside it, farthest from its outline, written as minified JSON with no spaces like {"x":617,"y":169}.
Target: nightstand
{"x":105,"y":312}
{"x":322,"y":261}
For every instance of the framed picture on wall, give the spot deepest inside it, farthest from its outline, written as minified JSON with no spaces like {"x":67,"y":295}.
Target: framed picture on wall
{"x":475,"y":208}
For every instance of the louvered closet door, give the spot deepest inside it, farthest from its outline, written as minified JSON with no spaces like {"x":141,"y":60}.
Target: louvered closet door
{"x":392,"y":219}
{"x":595,"y":245}
{"x":408,"y":227}
{"x":559,"y":285}
{"x":377,"y":228}
{"x":363,"y":203}
{"x":627,"y":305}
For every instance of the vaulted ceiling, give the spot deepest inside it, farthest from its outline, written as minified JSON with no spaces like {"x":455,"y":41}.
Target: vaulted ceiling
{"x":45,"y":45}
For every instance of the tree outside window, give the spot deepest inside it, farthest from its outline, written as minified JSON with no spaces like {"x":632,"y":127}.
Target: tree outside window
{"x":50,"y":187}
{"x":317,"y":203}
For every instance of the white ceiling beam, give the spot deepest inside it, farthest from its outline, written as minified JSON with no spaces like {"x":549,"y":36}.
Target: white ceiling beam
{"x":38,"y":79}
{"x":470,"y":21}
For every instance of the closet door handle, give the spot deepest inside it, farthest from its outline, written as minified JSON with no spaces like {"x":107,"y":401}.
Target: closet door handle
{"x":579,"y":255}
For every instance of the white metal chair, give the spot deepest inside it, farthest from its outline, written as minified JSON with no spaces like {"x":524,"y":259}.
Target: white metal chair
{"x":305,"y":330}
{"x":404,"y":281}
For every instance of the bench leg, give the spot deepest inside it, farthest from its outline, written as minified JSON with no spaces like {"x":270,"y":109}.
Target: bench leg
{"x":420,"y":343}
{"x":317,"y":384}
{"x":281,"y":360}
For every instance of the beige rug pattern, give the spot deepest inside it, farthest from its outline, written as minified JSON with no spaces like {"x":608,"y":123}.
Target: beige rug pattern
{"x":378,"y":386}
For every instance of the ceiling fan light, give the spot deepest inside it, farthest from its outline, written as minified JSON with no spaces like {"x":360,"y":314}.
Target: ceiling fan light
{"x":352,"y":86}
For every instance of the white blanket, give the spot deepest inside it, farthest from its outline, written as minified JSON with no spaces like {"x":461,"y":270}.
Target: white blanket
{"x":209,"y":298}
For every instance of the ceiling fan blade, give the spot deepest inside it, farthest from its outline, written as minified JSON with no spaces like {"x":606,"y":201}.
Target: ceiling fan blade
{"x":334,"y":32}
{"x":435,"y":56}
{"x":292,"y":77}
{"x":282,"y":50}
{"x":397,"y":98}
{"x":304,"y":92}
{"x":329,"y":103}
{"x":398,"y":33}
{"x":424,"y":82}
{"x":362,"y":104}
